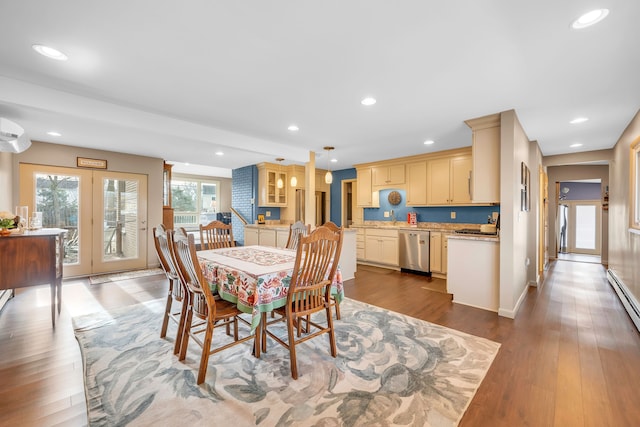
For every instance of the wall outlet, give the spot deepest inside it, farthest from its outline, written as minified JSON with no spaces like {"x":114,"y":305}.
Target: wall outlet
{"x":386,"y":214}
{"x":253,"y":200}
{"x":453,"y":215}
{"x":268,"y":214}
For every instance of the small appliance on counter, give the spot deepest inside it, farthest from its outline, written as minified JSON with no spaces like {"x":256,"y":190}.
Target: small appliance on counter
{"x":412,"y":219}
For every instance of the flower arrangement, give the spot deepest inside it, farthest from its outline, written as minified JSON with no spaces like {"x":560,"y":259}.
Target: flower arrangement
{"x":7,"y":219}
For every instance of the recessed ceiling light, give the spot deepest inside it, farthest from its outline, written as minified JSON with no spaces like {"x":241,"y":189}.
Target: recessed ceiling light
{"x":293,"y":128}
{"x":590,"y":18}
{"x":53,"y":133}
{"x":49,"y":52}
{"x":429,"y":142}
{"x":579,"y":120}
{"x":368,"y":101}
{"x":334,"y":160}
{"x":186,"y":164}
{"x":576,"y":145}
{"x":219,"y":153}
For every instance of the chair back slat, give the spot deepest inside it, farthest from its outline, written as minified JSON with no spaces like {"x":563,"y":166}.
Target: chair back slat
{"x":297,"y":230}
{"x":191,"y":274}
{"x":216,"y":235}
{"x":166,"y":258}
{"x":314,"y":269}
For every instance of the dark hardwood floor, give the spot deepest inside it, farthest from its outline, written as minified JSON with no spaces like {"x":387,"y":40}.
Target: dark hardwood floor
{"x":570,"y":358}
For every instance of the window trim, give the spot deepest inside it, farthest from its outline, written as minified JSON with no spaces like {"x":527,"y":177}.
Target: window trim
{"x":199,"y":181}
{"x":634,"y":186}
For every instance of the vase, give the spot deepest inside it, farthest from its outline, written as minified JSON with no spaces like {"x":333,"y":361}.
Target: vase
{"x":4,"y":231}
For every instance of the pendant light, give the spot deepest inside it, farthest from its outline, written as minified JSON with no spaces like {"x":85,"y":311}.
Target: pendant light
{"x":279,"y":182}
{"x":294,"y":181}
{"x":328,"y":177}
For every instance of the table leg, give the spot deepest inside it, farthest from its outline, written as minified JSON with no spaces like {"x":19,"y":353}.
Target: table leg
{"x":53,"y":304}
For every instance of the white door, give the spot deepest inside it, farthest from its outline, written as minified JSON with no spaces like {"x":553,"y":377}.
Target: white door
{"x":584,"y":227}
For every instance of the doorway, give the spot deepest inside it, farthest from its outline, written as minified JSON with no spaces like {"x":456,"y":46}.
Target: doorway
{"x":579,"y":227}
{"x":350,"y":213}
{"x":104,"y":213}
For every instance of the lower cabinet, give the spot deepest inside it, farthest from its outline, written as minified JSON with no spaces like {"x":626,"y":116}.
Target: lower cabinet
{"x":251,"y":236}
{"x":438,"y":252}
{"x":381,"y":246}
{"x":360,"y":255}
{"x":265,"y":236}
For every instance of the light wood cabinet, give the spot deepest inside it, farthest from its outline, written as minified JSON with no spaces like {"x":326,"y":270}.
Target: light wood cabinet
{"x":448,"y":180}
{"x":268,"y":192}
{"x":387,"y":175}
{"x":251,"y":236}
{"x":281,"y":238}
{"x":366,"y":197}
{"x":485,"y":183}
{"x":360,"y":254}
{"x":381,"y":246}
{"x":267,"y":237}
{"x":417,"y":184}
{"x":438,"y":252}
{"x":435,"y":252}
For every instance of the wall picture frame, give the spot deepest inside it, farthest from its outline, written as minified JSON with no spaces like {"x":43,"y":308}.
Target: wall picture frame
{"x":84,"y":162}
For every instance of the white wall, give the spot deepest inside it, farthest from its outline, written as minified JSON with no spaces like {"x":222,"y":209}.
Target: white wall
{"x":515,"y":225}
{"x":624,"y":246}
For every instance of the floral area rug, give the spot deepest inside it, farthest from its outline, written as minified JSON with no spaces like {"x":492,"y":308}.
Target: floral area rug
{"x":390,"y":370}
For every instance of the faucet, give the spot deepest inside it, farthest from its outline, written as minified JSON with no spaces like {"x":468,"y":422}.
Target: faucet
{"x":393,"y":217}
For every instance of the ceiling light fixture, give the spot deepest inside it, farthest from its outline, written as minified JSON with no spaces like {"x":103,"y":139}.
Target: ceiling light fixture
{"x":50,"y":52}
{"x":328,"y":177}
{"x":579,"y":120}
{"x":429,"y":142}
{"x":368,"y":101}
{"x":294,"y":181}
{"x":54,"y":133}
{"x":589,"y":19}
{"x":576,"y":145}
{"x":219,"y":153}
{"x":280,"y":182}
{"x":293,"y":128}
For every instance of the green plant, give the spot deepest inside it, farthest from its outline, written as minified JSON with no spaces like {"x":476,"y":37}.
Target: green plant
{"x":6,"y":219}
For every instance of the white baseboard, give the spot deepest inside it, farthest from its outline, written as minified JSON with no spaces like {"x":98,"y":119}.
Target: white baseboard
{"x":511,"y":313}
{"x":628,"y":301}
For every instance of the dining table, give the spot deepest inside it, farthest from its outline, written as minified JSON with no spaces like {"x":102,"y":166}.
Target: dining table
{"x":255,"y":278}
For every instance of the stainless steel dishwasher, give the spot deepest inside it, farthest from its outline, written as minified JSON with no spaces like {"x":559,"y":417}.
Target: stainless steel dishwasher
{"x":414,"y":250}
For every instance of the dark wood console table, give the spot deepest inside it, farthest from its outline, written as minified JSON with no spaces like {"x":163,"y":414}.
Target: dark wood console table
{"x":31,"y":259}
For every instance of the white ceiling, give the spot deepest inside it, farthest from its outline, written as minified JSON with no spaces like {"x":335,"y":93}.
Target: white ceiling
{"x":182,"y":80}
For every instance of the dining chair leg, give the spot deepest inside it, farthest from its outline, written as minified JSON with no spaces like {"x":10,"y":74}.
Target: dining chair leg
{"x":292,"y":348}
{"x":337,"y":310}
{"x":332,"y":335}
{"x":180,"y":333}
{"x":167,"y":311}
{"x":185,"y":334}
{"x":257,"y":345}
{"x":206,"y":351}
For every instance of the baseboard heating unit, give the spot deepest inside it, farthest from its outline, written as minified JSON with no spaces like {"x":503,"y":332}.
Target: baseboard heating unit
{"x":627,"y":299}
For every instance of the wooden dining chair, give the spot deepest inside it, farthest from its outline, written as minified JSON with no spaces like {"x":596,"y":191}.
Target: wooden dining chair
{"x":332,"y":226}
{"x":210,"y":313}
{"x":216,"y":235}
{"x":177,"y":294}
{"x":296,"y":230}
{"x":309,"y":292}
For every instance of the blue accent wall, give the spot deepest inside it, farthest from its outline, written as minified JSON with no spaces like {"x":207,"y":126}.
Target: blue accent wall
{"x":336,"y":193}
{"x":464,"y":214}
{"x":244,"y":188}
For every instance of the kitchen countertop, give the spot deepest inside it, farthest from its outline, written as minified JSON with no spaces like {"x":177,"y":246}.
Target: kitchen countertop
{"x":432,"y":226}
{"x":283,"y":227}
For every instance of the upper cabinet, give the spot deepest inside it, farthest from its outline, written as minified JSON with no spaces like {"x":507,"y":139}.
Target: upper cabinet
{"x":448,"y":180}
{"x":485,"y":183}
{"x":269,"y":193}
{"x":365,"y":196}
{"x":387,"y":175}
{"x":417,"y":183}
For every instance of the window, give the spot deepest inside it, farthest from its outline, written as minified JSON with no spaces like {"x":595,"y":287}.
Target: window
{"x":634,"y":172}
{"x":194,"y":201}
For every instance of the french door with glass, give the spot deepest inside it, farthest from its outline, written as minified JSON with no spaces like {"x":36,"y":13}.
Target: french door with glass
{"x":580,"y":227}
{"x":104,"y":213}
